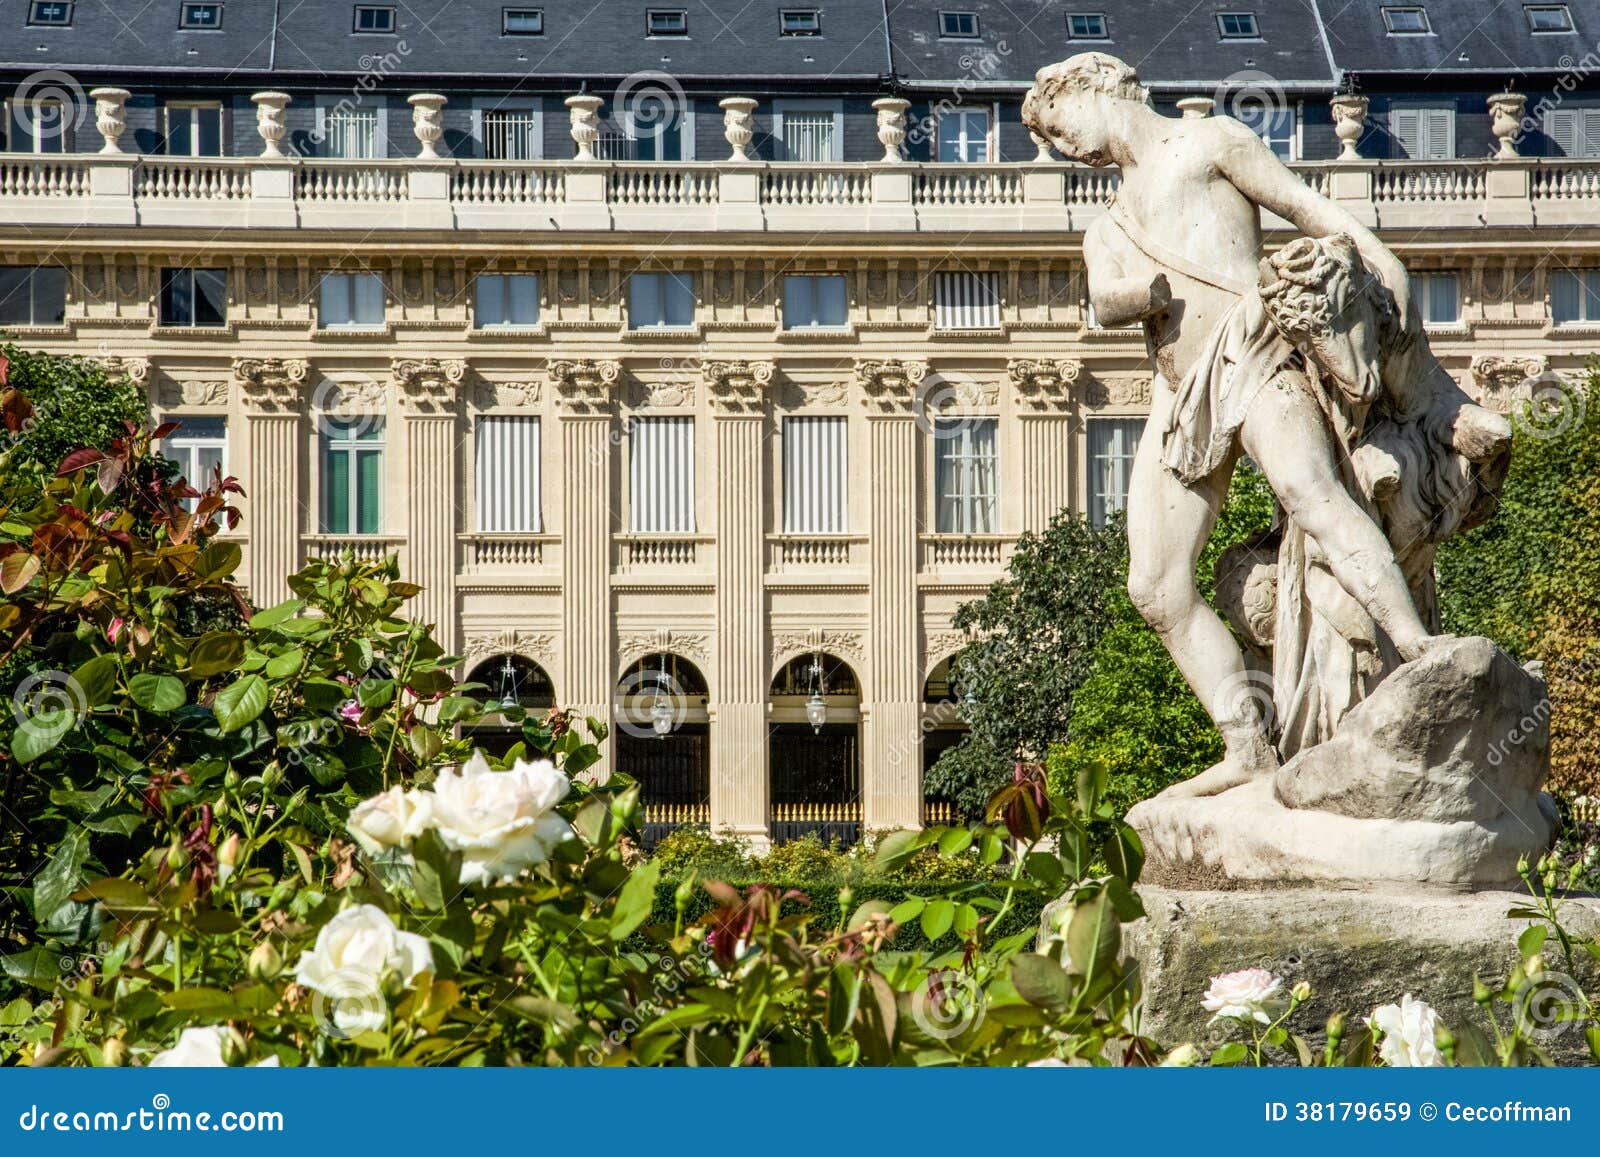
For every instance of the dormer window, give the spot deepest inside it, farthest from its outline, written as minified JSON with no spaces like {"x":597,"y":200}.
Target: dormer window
{"x":522,"y":22}
{"x":800,"y":22}
{"x":1548,"y":18}
{"x":1087,"y":26}
{"x":958,"y":25}
{"x":55,"y":14}
{"x":666,"y":22}
{"x":1406,"y":21}
{"x":374,"y":20}
{"x":1238,"y":26}
{"x":204,"y":17}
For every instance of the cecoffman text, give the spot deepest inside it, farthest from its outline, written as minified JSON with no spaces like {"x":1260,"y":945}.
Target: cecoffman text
{"x":158,"y":1118}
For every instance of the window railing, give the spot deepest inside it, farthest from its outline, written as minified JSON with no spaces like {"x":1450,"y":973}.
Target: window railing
{"x":487,"y":551}
{"x":791,"y":552}
{"x":365,"y":547}
{"x":659,"y":551}
{"x":956,"y":551}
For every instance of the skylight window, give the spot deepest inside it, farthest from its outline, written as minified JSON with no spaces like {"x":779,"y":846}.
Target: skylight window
{"x":202,"y":16}
{"x":667,"y":22}
{"x":1549,"y":18}
{"x":1087,"y":26}
{"x":57,"y":14}
{"x":372,"y":19}
{"x":522,"y":21}
{"x":800,"y":22}
{"x":958,"y":25}
{"x":1406,"y":21}
{"x":1238,"y":25}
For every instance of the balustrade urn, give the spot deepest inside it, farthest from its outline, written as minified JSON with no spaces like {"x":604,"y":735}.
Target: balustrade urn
{"x":1506,"y":109}
{"x":585,"y":110}
{"x":110,"y":118}
{"x":738,"y":124}
{"x":270,"y":124}
{"x":891,"y":126}
{"x":1041,"y":147}
{"x":427,"y":122}
{"x":1196,"y":107}
{"x":1349,"y":122}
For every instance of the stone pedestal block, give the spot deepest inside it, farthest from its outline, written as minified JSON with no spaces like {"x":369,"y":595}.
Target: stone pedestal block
{"x":1357,"y":950}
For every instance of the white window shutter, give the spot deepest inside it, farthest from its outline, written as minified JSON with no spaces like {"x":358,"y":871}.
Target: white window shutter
{"x":1441,"y":133}
{"x":382,"y":147}
{"x":1564,"y":127}
{"x":687,"y":130}
{"x":662,"y":476}
{"x":321,"y":130}
{"x":478,"y":146}
{"x":507,"y":467}
{"x":815,"y":475}
{"x":1589,"y":137}
{"x":1404,"y":127}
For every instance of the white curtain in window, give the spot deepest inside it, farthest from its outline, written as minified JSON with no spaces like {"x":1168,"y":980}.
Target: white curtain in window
{"x":815,"y":473}
{"x":808,"y":136}
{"x":1113,"y":442}
{"x":966,"y":460}
{"x":352,"y":133}
{"x":663,"y":475}
{"x":507,"y":453}
{"x":967,"y":301}
{"x":511,"y":134}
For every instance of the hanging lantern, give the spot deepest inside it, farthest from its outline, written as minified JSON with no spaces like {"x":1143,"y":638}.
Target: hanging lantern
{"x":816,"y":711}
{"x":508,"y":687}
{"x":660,"y":709}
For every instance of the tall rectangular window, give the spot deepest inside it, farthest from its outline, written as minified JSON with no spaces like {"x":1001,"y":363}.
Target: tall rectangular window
{"x":657,"y":130}
{"x":966,"y":475}
{"x":512,"y":134}
{"x":194,"y":297}
{"x":1573,"y":132}
{"x":1423,"y":134}
{"x":506,"y":451}
{"x":1113,"y":442}
{"x":199,"y":446}
{"x":352,"y":475}
{"x":809,"y":134}
{"x":661,"y":301}
{"x":815,"y":302}
{"x":966,"y":301}
{"x":505,"y":300}
{"x":662,"y":498}
{"x":816,"y":471}
{"x":350,"y":301}
{"x":964,"y":136}
{"x":1275,"y":126}
{"x":353,"y":134}
{"x":1438,"y":295}
{"x":32,"y":295}
{"x":194,"y":130}
{"x":1575,"y":296}
{"x":38,"y":126}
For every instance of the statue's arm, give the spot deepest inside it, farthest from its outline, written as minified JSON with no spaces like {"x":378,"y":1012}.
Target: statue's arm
{"x":1119,"y":299}
{"x":1256,"y":172}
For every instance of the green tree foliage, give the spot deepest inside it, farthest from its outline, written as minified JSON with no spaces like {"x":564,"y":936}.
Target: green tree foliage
{"x":1038,"y":631}
{"x":75,"y":404}
{"x":1530,"y":577}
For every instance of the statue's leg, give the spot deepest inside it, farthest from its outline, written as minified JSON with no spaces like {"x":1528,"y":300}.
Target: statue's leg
{"x":1168,"y":525}
{"x":1287,"y":435}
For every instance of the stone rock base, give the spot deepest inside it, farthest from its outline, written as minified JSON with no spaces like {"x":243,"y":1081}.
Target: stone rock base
{"x":1356,"y":949}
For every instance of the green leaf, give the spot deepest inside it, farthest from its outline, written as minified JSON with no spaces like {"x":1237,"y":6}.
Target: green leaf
{"x":1094,"y":935}
{"x":1091,"y":786}
{"x":1532,"y":940}
{"x":59,"y":878}
{"x":97,"y":679}
{"x":159,"y":693}
{"x":1232,"y":1053}
{"x":36,"y":966}
{"x":634,"y":903}
{"x":966,"y":922}
{"x":215,"y":653}
{"x":117,"y":894}
{"x":1592,"y":1035}
{"x":240,"y":702}
{"x":276,"y":616}
{"x":844,"y":998}
{"x":954,"y":841}
{"x":1040,"y":981}
{"x":283,"y":665}
{"x":372,"y":693}
{"x":897,"y":848}
{"x":907,"y":910}
{"x":40,"y":733}
{"x":937,"y":918}
{"x":16,"y":570}
{"x":218,"y":559}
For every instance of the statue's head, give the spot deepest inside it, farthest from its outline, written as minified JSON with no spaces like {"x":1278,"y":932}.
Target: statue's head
{"x":1072,"y":104}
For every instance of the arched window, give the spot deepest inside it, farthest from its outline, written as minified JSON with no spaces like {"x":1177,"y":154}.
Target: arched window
{"x":663,"y":740}
{"x":814,"y":748}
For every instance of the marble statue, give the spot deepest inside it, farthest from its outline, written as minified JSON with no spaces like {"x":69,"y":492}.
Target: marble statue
{"x":1313,"y":362}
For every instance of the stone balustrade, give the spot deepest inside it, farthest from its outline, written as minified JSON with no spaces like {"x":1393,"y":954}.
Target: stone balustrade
{"x":118,"y":189}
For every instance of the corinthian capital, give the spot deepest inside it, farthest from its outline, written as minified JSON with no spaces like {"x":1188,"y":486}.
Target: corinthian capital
{"x":428,"y":385}
{"x":584,"y":385}
{"x":738,"y":385}
{"x":1045,"y":385}
{"x":891,"y":385}
{"x":271,"y":385}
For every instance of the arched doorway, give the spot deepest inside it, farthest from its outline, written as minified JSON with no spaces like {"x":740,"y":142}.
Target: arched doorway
{"x":520,"y":687}
{"x":814,"y":749}
{"x":942,"y":729}
{"x":662,"y":739}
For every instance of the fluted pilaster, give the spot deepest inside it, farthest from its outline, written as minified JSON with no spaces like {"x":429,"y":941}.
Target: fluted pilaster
{"x":586,"y":613}
{"x":429,"y":392}
{"x":270,"y":393}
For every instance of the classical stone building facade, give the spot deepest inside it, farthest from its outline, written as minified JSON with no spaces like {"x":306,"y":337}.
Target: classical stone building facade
{"x":711,"y":441}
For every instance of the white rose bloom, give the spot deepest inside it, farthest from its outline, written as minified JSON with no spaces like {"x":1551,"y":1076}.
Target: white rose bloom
{"x":390,"y":820}
{"x":500,"y":821}
{"x":200,"y":1048}
{"x":1408,"y":1030}
{"x":1251,"y":994}
{"x":352,"y":953}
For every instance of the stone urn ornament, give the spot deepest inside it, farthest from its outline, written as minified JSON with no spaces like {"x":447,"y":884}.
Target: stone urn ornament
{"x":1196,"y":107}
{"x":585,"y":114}
{"x":270,"y":124}
{"x":1349,"y":122}
{"x":1041,"y":147}
{"x":738,"y":124}
{"x":1505,"y":110}
{"x":891,"y":126}
{"x":427,"y":122}
{"x":110,"y":117}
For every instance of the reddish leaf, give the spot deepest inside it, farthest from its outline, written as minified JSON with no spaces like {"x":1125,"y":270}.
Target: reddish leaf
{"x":109,"y":475}
{"x":5,"y":369}
{"x":15,"y":408}
{"x":78,"y":459}
{"x":163,"y":430}
{"x":16,"y":570}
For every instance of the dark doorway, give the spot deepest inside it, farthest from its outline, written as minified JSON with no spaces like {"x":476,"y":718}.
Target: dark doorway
{"x":816,"y":782}
{"x":674,"y":775}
